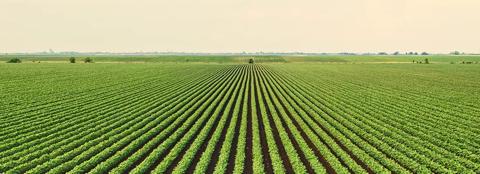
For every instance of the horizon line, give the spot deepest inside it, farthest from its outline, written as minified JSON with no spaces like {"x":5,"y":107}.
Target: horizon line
{"x":234,"y":53}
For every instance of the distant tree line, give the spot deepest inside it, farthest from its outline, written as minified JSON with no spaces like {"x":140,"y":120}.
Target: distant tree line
{"x":456,"y":53}
{"x":406,"y":53}
{"x":86,"y":60}
{"x":14,"y":60}
{"x":422,"y":62}
{"x":71,"y":60}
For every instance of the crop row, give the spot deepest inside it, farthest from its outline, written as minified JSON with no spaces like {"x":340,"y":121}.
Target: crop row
{"x":255,"y":118}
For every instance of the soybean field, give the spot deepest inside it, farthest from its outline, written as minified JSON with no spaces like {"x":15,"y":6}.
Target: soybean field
{"x":239,"y":118}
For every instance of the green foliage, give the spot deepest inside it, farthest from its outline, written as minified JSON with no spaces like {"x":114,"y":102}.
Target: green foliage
{"x":257,"y":59}
{"x":207,"y":118}
{"x":14,"y":60}
{"x":455,"y":53}
{"x":72,"y":60}
{"x":88,"y":60}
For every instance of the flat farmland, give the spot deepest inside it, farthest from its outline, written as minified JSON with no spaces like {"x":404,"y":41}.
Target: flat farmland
{"x":239,"y":118}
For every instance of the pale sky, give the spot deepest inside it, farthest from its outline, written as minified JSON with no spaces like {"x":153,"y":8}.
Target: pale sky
{"x":240,"y":25}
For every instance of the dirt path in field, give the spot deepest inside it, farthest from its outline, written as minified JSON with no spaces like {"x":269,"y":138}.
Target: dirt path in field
{"x":388,"y":155}
{"x":309,"y":142}
{"x":221,"y":140}
{"x":267,"y":162}
{"x":165,"y":153}
{"x":233,"y":148}
{"x":142,"y":145}
{"x":278,"y":142}
{"x":302,"y":156}
{"x":143,"y":157}
{"x":342,"y":146}
{"x":197,"y":156}
{"x":249,"y":144}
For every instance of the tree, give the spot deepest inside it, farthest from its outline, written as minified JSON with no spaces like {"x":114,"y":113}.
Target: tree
{"x":251,"y":61}
{"x":88,"y":60}
{"x":72,"y":59}
{"x":14,"y":60}
{"x":396,"y":53}
{"x":382,"y":53}
{"x":455,"y":53}
{"x":424,"y":53}
{"x":426,"y":61}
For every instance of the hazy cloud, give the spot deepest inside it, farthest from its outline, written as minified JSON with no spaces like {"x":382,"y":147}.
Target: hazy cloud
{"x":240,"y":25}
